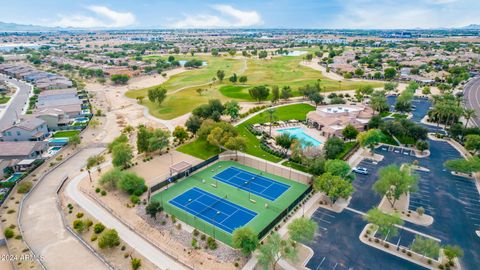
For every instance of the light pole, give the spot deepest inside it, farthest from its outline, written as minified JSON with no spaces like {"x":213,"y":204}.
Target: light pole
{"x":215,"y":221}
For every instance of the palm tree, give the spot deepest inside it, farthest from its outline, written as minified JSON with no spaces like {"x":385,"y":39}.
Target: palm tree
{"x":271,"y":116}
{"x":469,"y":114}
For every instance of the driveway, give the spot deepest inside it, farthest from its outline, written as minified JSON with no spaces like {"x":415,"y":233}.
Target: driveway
{"x":42,"y":224}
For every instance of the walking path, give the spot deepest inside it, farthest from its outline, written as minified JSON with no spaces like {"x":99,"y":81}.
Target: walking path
{"x":156,"y":256}
{"x":41,"y":221}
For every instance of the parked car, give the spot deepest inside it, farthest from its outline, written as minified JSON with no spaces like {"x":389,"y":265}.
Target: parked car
{"x":360,"y":170}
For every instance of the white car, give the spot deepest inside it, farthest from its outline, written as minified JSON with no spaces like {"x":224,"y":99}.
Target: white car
{"x":360,"y":170}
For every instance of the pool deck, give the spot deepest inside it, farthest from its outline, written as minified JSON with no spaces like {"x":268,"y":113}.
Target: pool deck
{"x":314,"y":133}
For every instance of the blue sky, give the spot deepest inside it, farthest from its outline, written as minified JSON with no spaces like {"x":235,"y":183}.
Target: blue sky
{"x":247,"y":13}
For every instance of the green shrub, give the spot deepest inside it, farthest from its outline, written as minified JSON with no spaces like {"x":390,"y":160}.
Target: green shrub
{"x":97,"y":190}
{"x":134,"y":199}
{"x":98,"y":228}
{"x":211,"y":243}
{"x":103,"y":193}
{"x":79,"y":215}
{"x":136,"y":263}
{"x":79,"y":225}
{"x":24,"y":187}
{"x":109,"y":239}
{"x":8,"y":233}
{"x":93,"y":238}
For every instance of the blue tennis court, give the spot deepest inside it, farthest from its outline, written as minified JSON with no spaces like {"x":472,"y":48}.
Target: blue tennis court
{"x":213,"y":209}
{"x":253,"y":183}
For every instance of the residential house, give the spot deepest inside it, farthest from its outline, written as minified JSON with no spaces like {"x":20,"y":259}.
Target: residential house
{"x":29,"y":129}
{"x":22,"y":150}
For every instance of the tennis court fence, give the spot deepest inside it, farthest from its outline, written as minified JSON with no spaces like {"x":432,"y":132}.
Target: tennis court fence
{"x":180,"y":175}
{"x":283,"y":214}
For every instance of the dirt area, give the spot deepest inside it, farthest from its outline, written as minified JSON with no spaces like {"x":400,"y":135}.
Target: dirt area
{"x":304,"y":254}
{"x":119,"y":257}
{"x":160,"y":235}
{"x":5,"y":259}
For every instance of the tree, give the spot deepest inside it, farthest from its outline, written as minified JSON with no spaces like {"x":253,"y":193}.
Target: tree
{"x":468,"y":165}
{"x":390,"y":73}
{"x":243,"y":79}
{"x":370,"y":138}
{"x":394,"y":182}
{"x":333,"y":186}
{"x":93,"y":161}
{"x":245,"y":239}
{"x":79,"y":225}
{"x":158,"y":140}
{"x":180,"y":134}
{"x":262,"y":54}
{"x":422,"y":145}
{"x":316,"y":98}
{"x":309,"y":57}
{"x":143,"y":135}
{"x":220,"y":75}
{"x":119,"y":78}
{"x":379,"y":102}
{"x":259,"y":93}
{"x":232,"y":52}
{"x":109,"y":239}
{"x":121,"y":155}
{"x":152,"y":208}
{"x":286,"y":92}
{"x":214,"y":52}
{"x":302,"y":230}
{"x":193,"y":123}
{"x":237,"y":143}
{"x":132,"y":184}
{"x":233,"y":78}
{"x":111,"y":178}
{"x":452,"y":252}
{"x":275,"y":249}
{"x":271,"y":115}
{"x":74,"y":140}
{"x":385,"y":223}
{"x":425,"y":246}
{"x":157,"y":95}
{"x":285,"y":141}
{"x":469,"y":114}
{"x":337,"y":167}
{"x":404,"y":101}
{"x":350,"y":132}
{"x":316,"y":166}
{"x":426,"y":90}
{"x":472,"y":143}
{"x":390,"y":86}
{"x":275,"y":94}
{"x":232,"y":109}
{"x":333,"y":147}
{"x":118,"y":140}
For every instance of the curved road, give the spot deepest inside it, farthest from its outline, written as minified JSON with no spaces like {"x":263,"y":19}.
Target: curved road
{"x":142,"y":246}
{"x":472,"y":98}
{"x":42,"y":224}
{"x":9,"y":112}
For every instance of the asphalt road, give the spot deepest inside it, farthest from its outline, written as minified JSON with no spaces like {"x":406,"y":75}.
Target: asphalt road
{"x":9,"y":112}
{"x":472,"y":98}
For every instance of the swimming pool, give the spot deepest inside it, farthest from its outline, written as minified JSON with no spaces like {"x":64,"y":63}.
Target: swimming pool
{"x":81,"y":119}
{"x":14,"y":177}
{"x":53,"y":150}
{"x":298,"y":133}
{"x":58,"y":141}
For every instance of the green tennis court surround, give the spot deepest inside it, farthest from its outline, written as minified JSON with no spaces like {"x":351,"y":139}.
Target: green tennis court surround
{"x":217,"y":207}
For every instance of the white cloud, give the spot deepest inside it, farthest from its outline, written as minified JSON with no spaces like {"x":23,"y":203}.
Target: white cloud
{"x":228,"y":17}
{"x":102,"y":17}
{"x":407,"y":14}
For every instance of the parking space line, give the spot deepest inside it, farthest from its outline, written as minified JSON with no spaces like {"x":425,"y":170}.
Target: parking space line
{"x":335,"y":266}
{"x":320,"y":263}
{"x":322,"y":220}
{"x":326,"y":214}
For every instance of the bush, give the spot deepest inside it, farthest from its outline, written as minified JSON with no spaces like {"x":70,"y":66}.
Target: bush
{"x":211,"y":243}
{"x":8,"y":233}
{"x":179,"y":226}
{"x":109,"y":239}
{"x":79,"y":215}
{"x":194,"y":242}
{"x":93,"y":238}
{"x":132,"y":184}
{"x":195,"y":232}
{"x":134,"y":199}
{"x":203,"y":237}
{"x":440,"y":266}
{"x":98,"y":228}
{"x":136,"y":263}
{"x":103,"y":193}
{"x":24,"y":187}
{"x":97,"y":190}
{"x":174,"y":219}
{"x":79,"y":225}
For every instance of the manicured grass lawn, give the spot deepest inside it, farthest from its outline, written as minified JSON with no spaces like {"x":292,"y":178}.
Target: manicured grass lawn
{"x":65,"y":134}
{"x":200,"y":149}
{"x":4,"y":100}
{"x":295,"y":111}
{"x":399,"y":116}
{"x":265,"y":215}
{"x":279,"y":71}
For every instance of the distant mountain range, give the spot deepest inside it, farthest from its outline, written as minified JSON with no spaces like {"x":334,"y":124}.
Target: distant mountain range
{"x":15,"y":27}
